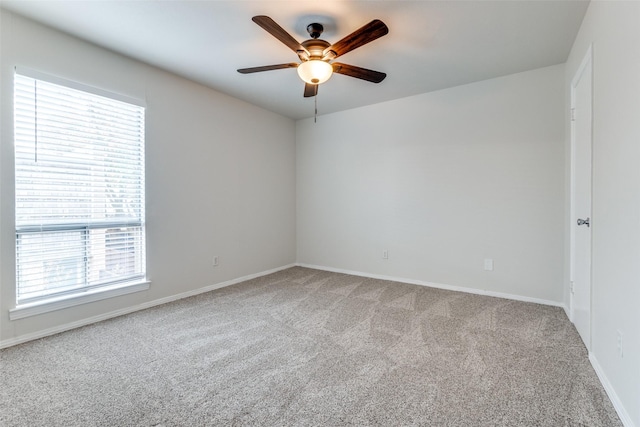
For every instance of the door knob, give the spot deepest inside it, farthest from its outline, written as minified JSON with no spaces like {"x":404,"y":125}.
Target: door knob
{"x":583,"y":222}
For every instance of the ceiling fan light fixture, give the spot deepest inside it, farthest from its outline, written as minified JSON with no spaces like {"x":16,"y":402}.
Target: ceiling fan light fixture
{"x":315,"y":71}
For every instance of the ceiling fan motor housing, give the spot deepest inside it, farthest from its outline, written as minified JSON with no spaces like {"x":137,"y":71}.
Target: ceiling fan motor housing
{"x":315,"y":47}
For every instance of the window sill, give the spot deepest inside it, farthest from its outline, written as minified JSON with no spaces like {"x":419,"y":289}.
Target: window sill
{"x":58,"y":303}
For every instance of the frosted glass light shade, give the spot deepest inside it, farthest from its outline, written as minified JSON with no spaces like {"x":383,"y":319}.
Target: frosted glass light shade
{"x":315,"y":71}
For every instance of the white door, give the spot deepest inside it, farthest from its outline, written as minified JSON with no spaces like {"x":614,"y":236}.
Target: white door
{"x":581,"y":95}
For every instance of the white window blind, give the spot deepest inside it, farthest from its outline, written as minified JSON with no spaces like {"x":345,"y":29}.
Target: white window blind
{"x":79,"y":185}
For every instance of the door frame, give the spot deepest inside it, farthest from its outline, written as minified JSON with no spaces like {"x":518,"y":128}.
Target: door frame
{"x":587,"y":61}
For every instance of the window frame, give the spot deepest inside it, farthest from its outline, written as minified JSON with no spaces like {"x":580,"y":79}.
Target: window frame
{"x":87,"y":293}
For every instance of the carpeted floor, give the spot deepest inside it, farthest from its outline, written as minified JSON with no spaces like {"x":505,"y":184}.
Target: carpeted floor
{"x":308,"y":347}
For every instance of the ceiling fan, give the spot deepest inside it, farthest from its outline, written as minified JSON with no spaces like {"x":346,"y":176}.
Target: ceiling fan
{"x":315,"y":54}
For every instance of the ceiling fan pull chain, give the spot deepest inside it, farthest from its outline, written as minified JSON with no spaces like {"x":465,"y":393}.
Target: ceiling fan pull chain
{"x":315,"y":117}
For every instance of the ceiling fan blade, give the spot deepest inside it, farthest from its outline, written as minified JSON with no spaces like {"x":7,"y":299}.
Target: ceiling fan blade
{"x":310,"y":90}
{"x":267,"y":68}
{"x":358,"y":72}
{"x":278,"y":32}
{"x":366,"y":34}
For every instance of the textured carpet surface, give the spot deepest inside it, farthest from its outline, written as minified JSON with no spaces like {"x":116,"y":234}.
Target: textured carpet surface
{"x":308,"y":347}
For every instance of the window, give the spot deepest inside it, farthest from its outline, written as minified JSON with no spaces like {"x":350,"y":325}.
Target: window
{"x":79,"y":187}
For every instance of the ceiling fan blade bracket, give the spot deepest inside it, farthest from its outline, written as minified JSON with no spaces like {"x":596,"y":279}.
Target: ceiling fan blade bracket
{"x":303,"y":54}
{"x":329,"y":55}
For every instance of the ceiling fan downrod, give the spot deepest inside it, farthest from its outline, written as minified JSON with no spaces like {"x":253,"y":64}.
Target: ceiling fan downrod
{"x":315,"y":30}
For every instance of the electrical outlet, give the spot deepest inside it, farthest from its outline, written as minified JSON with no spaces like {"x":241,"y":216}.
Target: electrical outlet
{"x":620,"y":346}
{"x":488,"y":264}
{"x":385,"y":254}
{"x":215,"y":261}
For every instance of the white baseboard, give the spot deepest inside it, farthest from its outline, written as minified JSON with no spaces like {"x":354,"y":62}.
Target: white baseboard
{"x":94,"y":319}
{"x":439,"y":286}
{"x":613,"y":396}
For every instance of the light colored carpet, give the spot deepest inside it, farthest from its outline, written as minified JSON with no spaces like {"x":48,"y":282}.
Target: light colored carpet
{"x":308,"y":347}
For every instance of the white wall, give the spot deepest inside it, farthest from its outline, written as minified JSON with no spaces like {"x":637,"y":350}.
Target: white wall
{"x":220,"y":174}
{"x":442,"y":181}
{"x":614,"y":30}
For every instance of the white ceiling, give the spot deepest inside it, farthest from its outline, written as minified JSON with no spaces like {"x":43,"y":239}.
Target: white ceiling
{"x":431,"y":45}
